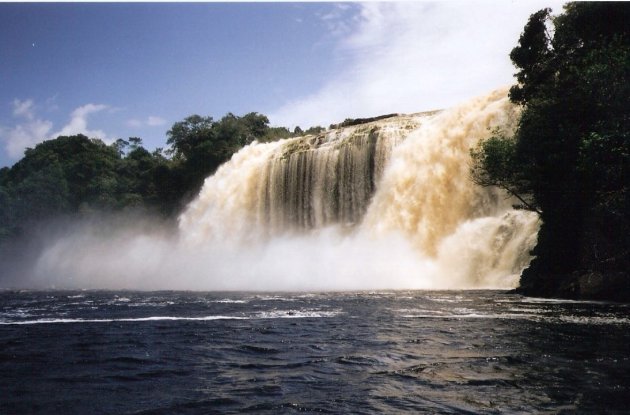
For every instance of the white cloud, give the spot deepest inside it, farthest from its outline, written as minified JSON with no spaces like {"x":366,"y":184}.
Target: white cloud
{"x":414,"y":56}
{"x":18,"y":138}
{"x":23,"y":108}
{"x":134,"y":123}
{"x":150,"y":121}
{"x":153,"y":121}
{"x":78,"y":122}
{"x":35,"y":130}
{"x":335,"y":20}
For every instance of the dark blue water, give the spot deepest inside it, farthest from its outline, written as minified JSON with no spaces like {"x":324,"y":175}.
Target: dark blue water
{"x":365,"y":352}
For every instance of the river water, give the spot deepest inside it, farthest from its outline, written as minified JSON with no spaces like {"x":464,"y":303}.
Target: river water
{"x":442,"y":352}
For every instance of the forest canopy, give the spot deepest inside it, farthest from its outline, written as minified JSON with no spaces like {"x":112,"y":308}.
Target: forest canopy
{"x":78,"y":175}
{"x":569,"y":159}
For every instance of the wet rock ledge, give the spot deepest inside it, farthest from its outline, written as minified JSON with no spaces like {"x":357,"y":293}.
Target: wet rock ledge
{"x":581,"y":286}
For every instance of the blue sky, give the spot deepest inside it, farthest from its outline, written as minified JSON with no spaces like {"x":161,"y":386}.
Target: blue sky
{"x":116,"y":70}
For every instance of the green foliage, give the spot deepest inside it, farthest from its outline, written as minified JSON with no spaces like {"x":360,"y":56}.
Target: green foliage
{"x":78,"y":163}
{"x":75,"y":175}
{"x":314,"y":130}
{"x":493,"y":161}
{"x":532,"y":57}
{"x":184,"y":136}
{"x":199,"y":145}
{"x":358,"y":121}
{"x":277,"y":133}
{"x":571,"y":149}
{"x":493,"y":164}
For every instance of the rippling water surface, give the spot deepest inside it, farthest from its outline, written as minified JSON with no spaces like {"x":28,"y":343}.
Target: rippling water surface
{"x":364,"y":352}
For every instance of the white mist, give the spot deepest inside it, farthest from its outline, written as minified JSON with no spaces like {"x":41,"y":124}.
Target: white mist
{"x":384,"y":205}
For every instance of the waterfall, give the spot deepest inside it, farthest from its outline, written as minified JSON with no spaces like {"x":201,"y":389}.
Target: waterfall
{"x":404,"y":177}
{"x":297,"y":184}
{"x":386,"y":204}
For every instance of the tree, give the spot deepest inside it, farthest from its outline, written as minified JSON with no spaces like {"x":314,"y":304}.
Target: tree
{"x":314,"y":130}
{"x":84,"y":164}
{"x":571,"y":152}
{"x":42,"y":194}
{"x":493,"y":165}
{"x":120,"y":146}
{"x":135,"y":143}
{"x":74,"y":175}
{"x":200,"y":144}
{"x":184,"y":136}
{"x":6,"y":214}
{"x":256,"y":126}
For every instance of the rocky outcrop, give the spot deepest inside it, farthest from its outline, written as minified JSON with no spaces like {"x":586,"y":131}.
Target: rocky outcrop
{"x":585,"y":285}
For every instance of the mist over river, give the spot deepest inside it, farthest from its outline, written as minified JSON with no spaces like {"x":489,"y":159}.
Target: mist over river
{"x":290,"y":249}
{"x":434,"y":352}
{"x":386,"y":204}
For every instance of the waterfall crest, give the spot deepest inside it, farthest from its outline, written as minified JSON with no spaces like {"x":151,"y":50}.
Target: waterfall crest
{"x":404,"y":177}
{"x":297,"y":184}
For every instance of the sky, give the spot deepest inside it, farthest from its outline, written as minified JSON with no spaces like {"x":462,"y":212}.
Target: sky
{"x":119,"y":70}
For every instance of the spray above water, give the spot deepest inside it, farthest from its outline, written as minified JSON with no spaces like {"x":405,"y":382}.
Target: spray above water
{"x":386,"y":204}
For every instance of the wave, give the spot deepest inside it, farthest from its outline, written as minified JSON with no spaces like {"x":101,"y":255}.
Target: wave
{"x":258,"y":316}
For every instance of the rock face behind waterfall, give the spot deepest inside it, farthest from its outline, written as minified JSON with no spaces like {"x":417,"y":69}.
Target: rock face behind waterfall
{"x":404,"y":176}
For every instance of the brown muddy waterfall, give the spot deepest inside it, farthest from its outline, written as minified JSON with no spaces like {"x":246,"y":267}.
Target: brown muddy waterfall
{"x":404,"y":177}
{"x":387,"y":204}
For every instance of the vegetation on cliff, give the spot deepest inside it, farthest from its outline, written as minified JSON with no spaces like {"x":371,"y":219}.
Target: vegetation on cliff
{"x":73,"y":176}
{"x":569,"y":159}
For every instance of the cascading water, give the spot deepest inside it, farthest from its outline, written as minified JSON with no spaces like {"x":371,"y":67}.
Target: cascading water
{"x":382,"y":205}
{"x":403,"y":177}
{"x":297,"y":184}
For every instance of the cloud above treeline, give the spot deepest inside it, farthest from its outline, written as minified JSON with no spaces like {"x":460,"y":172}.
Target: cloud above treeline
{"x":79,"y":119}
{"x":29,"y":129}
{"x":150,"y":121}
{"x":23,"y":108}
{"x":414,"y":56}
